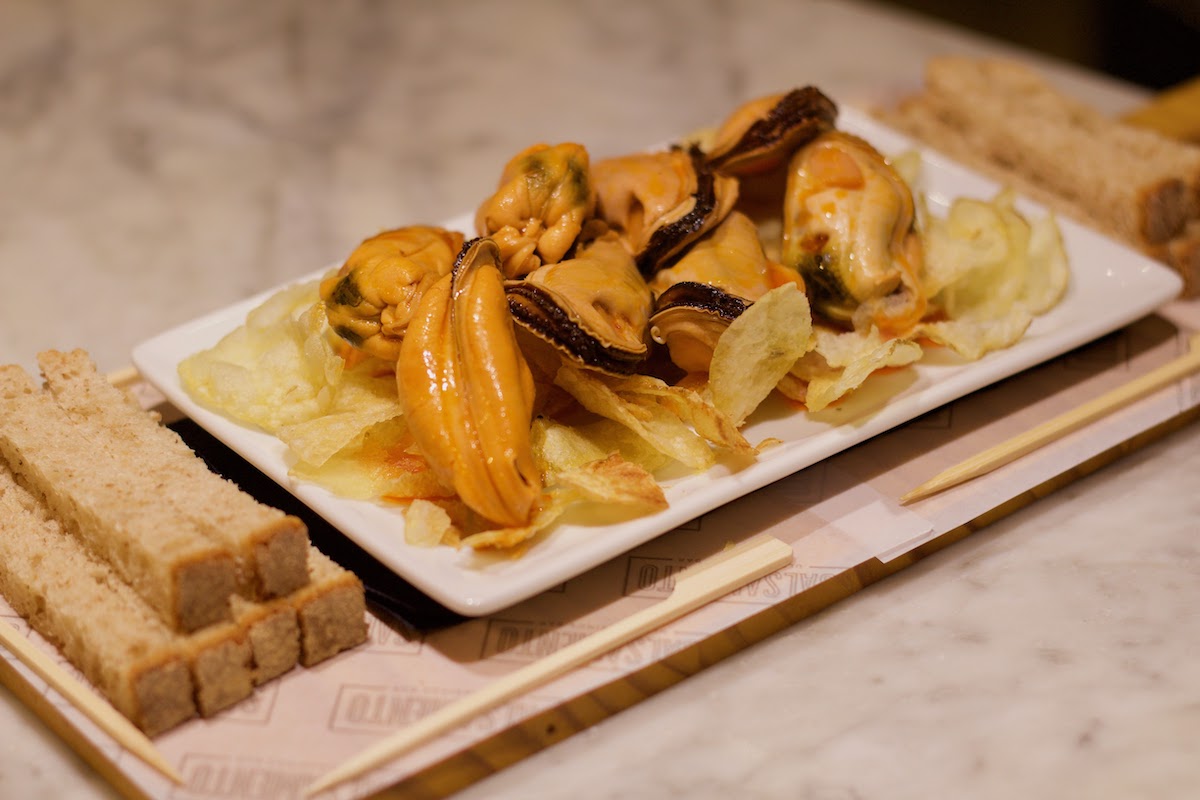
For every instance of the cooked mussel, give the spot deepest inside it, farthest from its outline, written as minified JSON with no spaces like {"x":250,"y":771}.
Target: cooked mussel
{"x":593,"y":309}
{"x":761,"y":134}
{"x":369,"y":301}
{"x":661,"y":202}
{"x":467,"y":391}
{"x":848,"y":229}
{"x":544,"y":196}
{"x":689,"y":318}
{"x":730,"y":258}
{"x":708,"y":288}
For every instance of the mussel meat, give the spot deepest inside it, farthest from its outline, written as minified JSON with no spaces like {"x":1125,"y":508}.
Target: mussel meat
{"x":467,"y":391}
{"x":761,"y":134}
{"x":593,"y":309}
{"x":370,"y":300}
{"x":709,"y":287}
{"x":730,"y":258}
{"x":689,"y":318}
{"x":544,"y":197}
{"x":848,"y":228}
{"x":661,"y":202}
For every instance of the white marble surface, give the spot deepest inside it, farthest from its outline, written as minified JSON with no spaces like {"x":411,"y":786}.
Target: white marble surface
{"x":159,"y":160}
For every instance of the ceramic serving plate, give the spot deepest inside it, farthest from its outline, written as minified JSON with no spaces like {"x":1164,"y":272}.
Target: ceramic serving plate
{"x":1111,"y":286}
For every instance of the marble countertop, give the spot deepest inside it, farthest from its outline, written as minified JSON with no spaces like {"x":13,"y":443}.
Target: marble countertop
{"x":160,"y":160}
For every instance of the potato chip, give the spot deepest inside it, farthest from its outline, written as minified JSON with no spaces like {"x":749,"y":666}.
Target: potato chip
{"x":841,"y":361}
{"x":836,"y":349}
{"x":991,"y":285}
{"x":907,"y":166}
{"x":641,"y":413}
{"x":973,"y":338}
{"x":689,"y":405}
{"x":757,"y":349}
{"x":362,"y":400}
{"x":994,"y":272}
{"x":427,"y":524}
{"x":575,"y":464}
{"x":277,"y":369}
{"x":971,"y":237}
{"x":548,"y":513}
{"x":610,"y":435}
{"x":613,"y":480}
{"x":380,"y":466}
{"x":558,"y":447}
{"x":1049,"y":272}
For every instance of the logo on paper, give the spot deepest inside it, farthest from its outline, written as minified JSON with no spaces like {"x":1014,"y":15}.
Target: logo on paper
{"x":655,"y":577}
{"x":362,"y":708}
{"x":207,"y":775}
{"x":386,"y":639}
{"x":520,"y":642}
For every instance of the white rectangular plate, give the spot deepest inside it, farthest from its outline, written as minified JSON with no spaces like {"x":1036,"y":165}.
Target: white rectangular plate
{"x":1111,"y":286}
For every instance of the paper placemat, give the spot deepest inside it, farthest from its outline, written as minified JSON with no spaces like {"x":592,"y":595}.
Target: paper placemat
{"x":840,"y":516}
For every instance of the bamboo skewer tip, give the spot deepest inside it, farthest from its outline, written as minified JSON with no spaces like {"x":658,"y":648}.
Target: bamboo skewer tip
{"x":81,"y":697}
{"x":1065,"y":423}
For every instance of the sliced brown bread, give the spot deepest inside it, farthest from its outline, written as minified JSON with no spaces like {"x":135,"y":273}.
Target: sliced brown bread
{"x":1003,"y":120}
{"x":1183,"y":253}
{"x":270,"y":547}
{"x":918,"y":120}
{"x":70,"y":481}
{"x":273,"y":630}
{"x":331,"y":610}
{"x":111,"y":634}
{"x":115,"y":508}
{"x":98,"y":623}
{"x":320,"y":620}
{"x":1145,"y":186}
{"x":222,"y":664}
{"x":151,"y":674}
{"x":266,"y":639}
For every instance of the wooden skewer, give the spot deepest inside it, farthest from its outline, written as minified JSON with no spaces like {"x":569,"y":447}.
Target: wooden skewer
{"x":84,"y":699}
{"x":694,"y":587}
{"x":125,"y":376}
{"x":1061,"y":425}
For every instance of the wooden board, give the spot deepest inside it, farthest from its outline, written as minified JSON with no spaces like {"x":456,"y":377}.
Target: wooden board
{"x":1176,"y":112}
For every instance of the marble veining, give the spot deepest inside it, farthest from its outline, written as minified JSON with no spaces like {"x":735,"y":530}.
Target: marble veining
{"x":160,"y":160}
